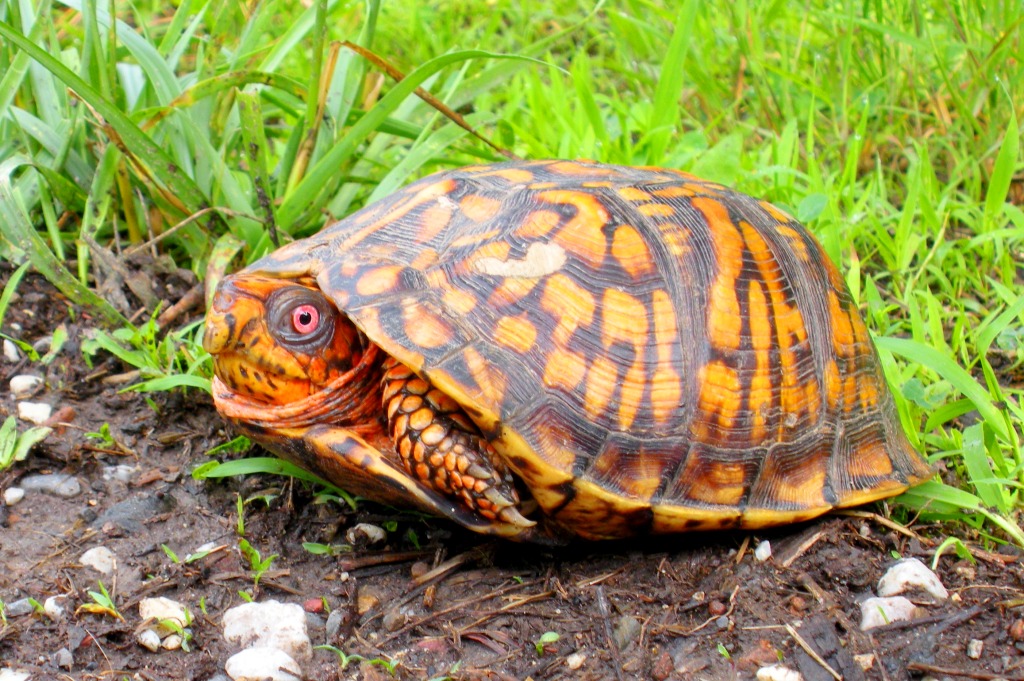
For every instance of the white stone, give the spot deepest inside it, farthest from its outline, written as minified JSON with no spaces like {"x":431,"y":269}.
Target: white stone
{"x":58,"y":484}
{"x":908,"y":574}
{"x":365,"y":534}
{"x":11,"y":351}
{"x":24,"y":385}
{"x":172,"y":642}
{"x":8,"y":674}
{"x":159,"y":610}
{"x":263,"y":664}
{"x":877,"y":612}
{"x":121,"y":472}
{"x":763,"y":551}
{"x":974,"y":648}
{"x":269,"y":624}
{"x":149,"y":640}
{"x":54,"y":607}
{"x":575,"y":661}
{"x":13,"y":495}
{"x":34,"y":412}
{"x":101,"y":559}
{"x":776,"y":672}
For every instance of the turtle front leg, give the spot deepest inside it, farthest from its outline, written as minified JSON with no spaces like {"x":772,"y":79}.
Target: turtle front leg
{"x":442,"y":448}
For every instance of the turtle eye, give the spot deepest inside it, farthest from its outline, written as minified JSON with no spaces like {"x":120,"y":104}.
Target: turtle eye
{"x":300,"y":318}
{"x":305,"y":318}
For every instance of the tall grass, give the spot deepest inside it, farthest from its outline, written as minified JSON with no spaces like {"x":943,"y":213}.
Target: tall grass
{"x":890,"y":127}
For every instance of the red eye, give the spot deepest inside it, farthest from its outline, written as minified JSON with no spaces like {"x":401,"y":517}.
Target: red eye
{"x":305,"y":318}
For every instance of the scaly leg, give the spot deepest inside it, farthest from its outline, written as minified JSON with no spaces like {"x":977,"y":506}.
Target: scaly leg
{"x":442,"y":448}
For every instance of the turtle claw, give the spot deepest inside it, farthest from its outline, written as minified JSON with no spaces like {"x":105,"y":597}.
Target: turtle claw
{"x":512,"y":516}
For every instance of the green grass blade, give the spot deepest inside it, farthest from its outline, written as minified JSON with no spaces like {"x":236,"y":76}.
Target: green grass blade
{"x":1002,"y":173}
{"x":666,"y":112}
{"x":16,"y":228}
{"x":952,"y":372}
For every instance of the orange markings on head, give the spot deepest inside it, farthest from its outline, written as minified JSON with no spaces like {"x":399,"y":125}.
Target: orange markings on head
{"x":516,"y":333}
{"x":478,"y":207}
{"x":583,"y":235}
{"x":630,"y":250}
{"x":423,"y":327}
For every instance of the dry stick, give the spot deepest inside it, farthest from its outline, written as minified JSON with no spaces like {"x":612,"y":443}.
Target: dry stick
{"x":602,"y":606}
{"x":935,"y":669}
{"x":372,"y":560}
{"x":812,"y":652}
{"x":462,"y":604}
{"x":885,"y":522}
{"x":944,"y":621}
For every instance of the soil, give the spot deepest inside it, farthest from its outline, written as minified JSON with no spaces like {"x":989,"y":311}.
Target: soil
{"x":688,"y":607}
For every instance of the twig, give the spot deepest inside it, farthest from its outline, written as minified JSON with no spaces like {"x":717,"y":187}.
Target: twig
{"x":192,"y":297}
{"x":944,"y":621}
{"x":935,"y":669}
{"x":812,"y":652}
{"x":348,"y":564}
{"x":885,"y":522}
{"x":602,"y":607}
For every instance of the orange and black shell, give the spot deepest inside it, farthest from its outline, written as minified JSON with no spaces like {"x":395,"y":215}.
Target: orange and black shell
{"x":648,"y":351}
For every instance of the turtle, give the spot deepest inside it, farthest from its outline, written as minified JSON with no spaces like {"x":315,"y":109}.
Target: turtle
{"x":551,"y":350}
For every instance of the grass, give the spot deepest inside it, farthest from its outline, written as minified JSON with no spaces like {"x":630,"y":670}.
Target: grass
{"x":890,"y":128}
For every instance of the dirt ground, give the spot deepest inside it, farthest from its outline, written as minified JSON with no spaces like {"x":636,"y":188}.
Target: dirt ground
{"x":690,"y":607}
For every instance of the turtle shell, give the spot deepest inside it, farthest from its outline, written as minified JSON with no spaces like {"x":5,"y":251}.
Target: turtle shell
{"x":649,"y":352}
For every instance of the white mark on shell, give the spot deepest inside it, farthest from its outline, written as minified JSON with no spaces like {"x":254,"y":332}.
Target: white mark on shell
{"x":541,"y":259}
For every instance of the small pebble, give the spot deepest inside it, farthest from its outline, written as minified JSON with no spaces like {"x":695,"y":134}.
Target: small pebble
{"x":974,"y":648}
{"x":159,"y":610}
{"x":626,"y":631}
{"x":24,"y":386}
{"x":763,"y":551}
{"x":172,"y":642}
{"x":11,"y":351}
{"x":269,"y":624}
{"x":777,"y":672}
{"x":121,"y":472}
{"x":101,"y":559}
{"x":365,"y":534}
{"x":418,"y":569}
{"x":64,"y":658}
{"x":1016,"y":630}
{"x":865,"y":660}
{"x":57,"y":484}
{"x":716,"y":608}
{"x":366,"y":601}
{"x":335,"y":620}
{"x":910,"y":573}
{"x":262,"y":664}
{"x":54,"y":607}
{"x":43,"y":345}
{"x":13,"y":495}
{"x":877,"y":612}
{"x":313,"y":605}
{"x":797,"y":604}
{"x":34,"y":412}
{"x":8,"y":674}
{"x":394,"y":620}
{"x":149,"y":640}
{"x":663,"y":667}
{"x":18,"y":608}
{"x":722,"y":622}
{"x":575,"y":661}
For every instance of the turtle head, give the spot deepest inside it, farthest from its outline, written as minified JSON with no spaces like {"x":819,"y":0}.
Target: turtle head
{"x":278,"y":341}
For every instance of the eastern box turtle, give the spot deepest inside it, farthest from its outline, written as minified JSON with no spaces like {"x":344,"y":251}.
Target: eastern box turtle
{"x":538,"y":349}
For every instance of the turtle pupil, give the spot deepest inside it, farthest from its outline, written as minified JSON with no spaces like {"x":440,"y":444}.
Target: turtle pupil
{"x":305,"y":319}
